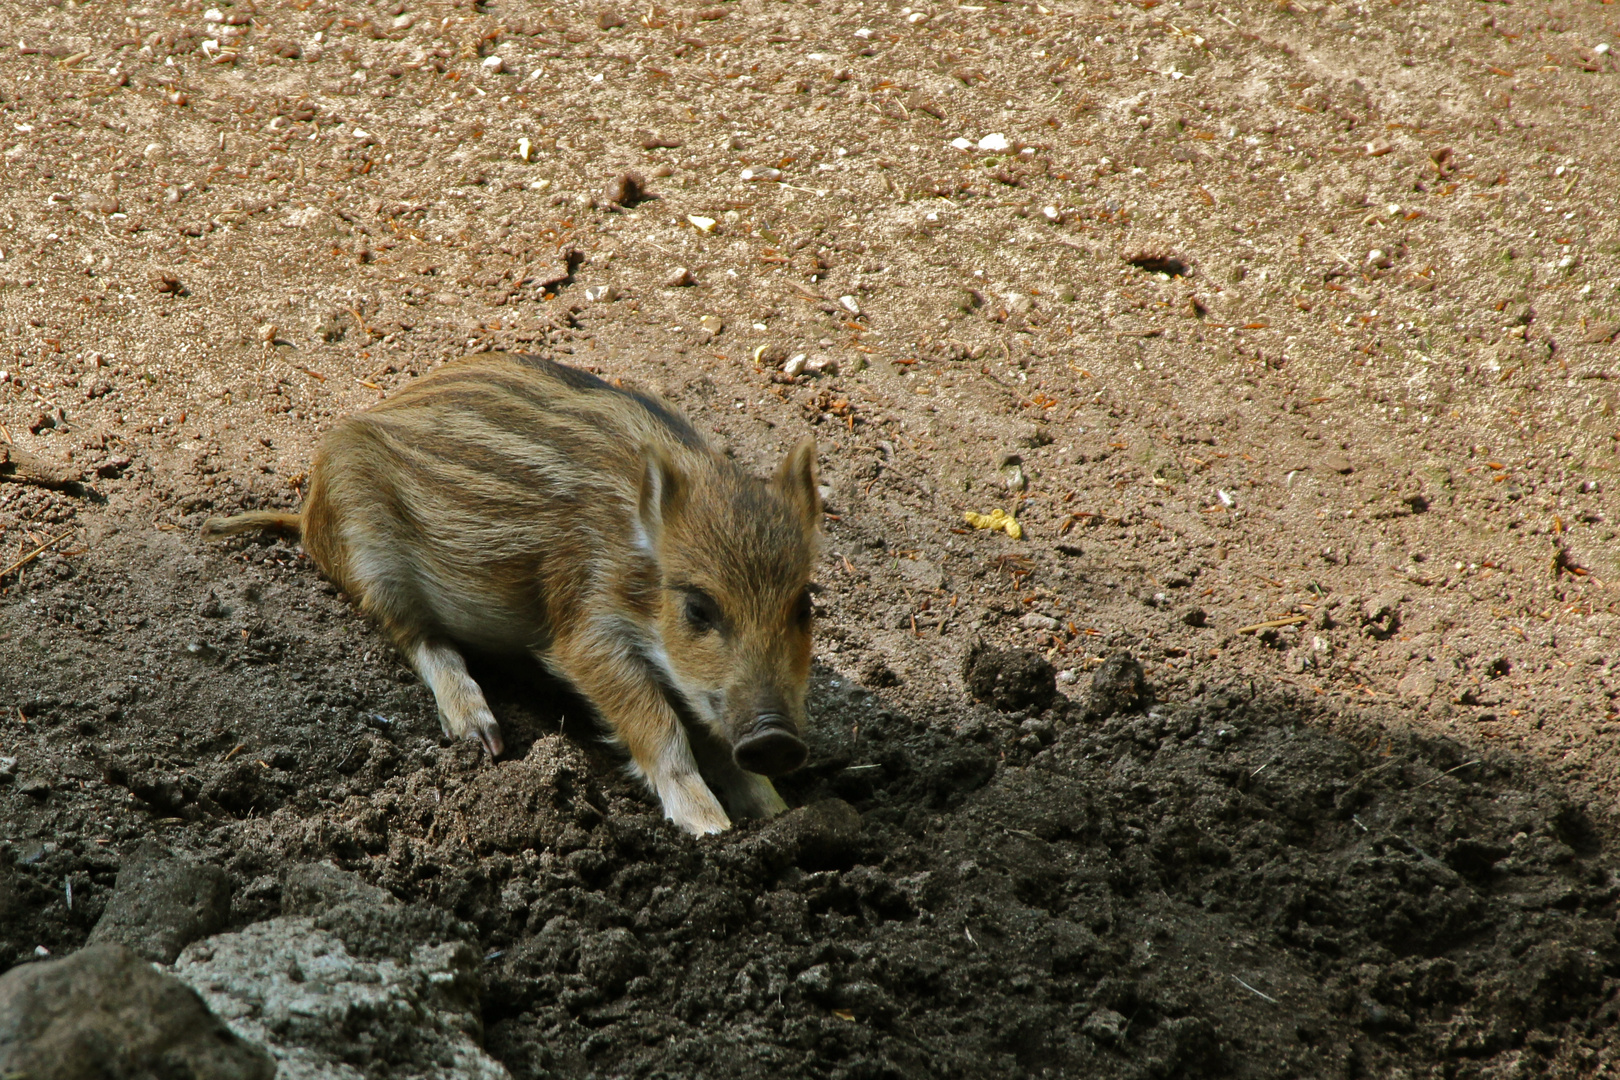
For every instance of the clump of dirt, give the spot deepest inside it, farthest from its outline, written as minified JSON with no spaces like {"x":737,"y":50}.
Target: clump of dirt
{"x":1009,"y":678}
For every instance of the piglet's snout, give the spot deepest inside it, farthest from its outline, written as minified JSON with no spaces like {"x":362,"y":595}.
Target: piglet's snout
{"x":771,"y":747}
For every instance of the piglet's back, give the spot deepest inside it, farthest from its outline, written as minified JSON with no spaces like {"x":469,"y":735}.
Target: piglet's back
{"x":468,"y":487}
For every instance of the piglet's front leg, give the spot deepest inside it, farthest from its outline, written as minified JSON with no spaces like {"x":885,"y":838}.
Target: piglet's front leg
{"x":633,"y":705}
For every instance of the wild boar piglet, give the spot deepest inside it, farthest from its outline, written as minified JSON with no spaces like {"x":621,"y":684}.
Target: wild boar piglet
{"x":509,"y":503}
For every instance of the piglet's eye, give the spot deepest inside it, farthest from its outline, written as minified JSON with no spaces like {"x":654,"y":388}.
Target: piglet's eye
{"x":702,"y":614}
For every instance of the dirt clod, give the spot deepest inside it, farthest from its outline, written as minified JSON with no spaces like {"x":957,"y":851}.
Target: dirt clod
{"x":1119,"y":685}
{"x":1009,"y":679}
{"x":161,"y":904}
{"x":627,"y":189}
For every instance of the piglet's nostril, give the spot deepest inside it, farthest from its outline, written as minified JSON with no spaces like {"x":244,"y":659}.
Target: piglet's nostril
{"x":771,"y":747}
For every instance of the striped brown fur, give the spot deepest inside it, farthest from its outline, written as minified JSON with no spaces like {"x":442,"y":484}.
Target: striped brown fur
{"x":507,"y":502}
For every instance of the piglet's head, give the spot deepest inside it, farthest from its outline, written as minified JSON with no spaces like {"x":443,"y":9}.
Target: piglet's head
{"x":734,"y":555}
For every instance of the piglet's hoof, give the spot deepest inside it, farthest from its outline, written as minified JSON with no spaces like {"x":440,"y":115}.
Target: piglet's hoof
{"x":771,"y":748}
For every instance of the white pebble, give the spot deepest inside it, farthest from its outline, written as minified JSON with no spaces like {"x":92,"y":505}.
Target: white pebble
{"x":213,"y":15}
{"x":524,"y":148}
{"x":961,"y":143}
{"x":494,"y":65}
{"x":762,"y":174}
{"x":1034,"y":620}
{"x":701,"y":224}
{"x":850,"y":304}
{"x":863,"y":33}
{"x":995,"y":142}
{"x":1602,"y":50}
{"x":794,"y":366}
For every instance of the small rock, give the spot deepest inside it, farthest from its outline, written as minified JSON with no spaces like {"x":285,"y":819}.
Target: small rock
{"x":821,"y":364}
{"x":607,"y":20}
{"x":763,"y":175}
{"x":105,"y":1012}
{"x":680,"y":278}
{"x":1337,"y":463}
{"x":995,"y":142}
{"x":712,"y":324}
{"x":1034,"y":620}
{"x":1034,"y":435}
{"x":494,"y":65}
{"x":165,"y":282}
{"x":1194,"y":616}
{"x":525,"y":148}
{"x":795,"y":365}
{"x":1105,"y":1026}
{"x":960,"y":143}
{"x":1119,"y":685}
{"x":850,"y":305}
{"x":600,"y":294}
{"x":627,"y":190}
{"x":1381,"y":616}
{"x":701,"y":224}
{"x":161,"y":904}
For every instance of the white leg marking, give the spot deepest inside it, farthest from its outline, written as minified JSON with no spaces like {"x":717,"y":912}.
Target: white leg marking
{"x":687,"y":800}
{"x":463,"y":712}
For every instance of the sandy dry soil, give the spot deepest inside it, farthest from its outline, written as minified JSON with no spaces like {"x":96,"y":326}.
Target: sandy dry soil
{"x":1287,"y":331}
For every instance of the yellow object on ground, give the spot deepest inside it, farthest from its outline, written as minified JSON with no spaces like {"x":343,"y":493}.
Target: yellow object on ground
{"x":996,"y":521}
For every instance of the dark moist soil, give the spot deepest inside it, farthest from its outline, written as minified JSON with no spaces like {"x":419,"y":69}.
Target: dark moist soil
{"x":1226,"y":884}
{"x":1287,"y":331}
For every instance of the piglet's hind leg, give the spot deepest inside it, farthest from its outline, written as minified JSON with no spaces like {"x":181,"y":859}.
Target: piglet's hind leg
{"x":463,"y":712}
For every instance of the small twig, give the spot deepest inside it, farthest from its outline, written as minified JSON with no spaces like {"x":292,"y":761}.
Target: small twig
{"x":7,"y":435}
{"x":1269,"y":624}
{"x":234,"y":751}
{"x":36,"y":553}
{"x":1266,"y":766}
{"x":1448,"y":772}
{"x":1252,"y":990}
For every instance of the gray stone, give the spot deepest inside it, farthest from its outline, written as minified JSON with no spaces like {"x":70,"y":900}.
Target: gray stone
{"x":106,"y":1013}
{"x":161,"y":904}
{"x":327,"y":1014}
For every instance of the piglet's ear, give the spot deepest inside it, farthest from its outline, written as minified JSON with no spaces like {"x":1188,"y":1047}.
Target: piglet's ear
{"x":796,"y":480}
{"x":663,"y":491}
